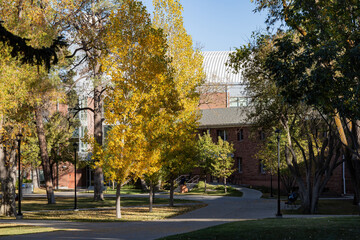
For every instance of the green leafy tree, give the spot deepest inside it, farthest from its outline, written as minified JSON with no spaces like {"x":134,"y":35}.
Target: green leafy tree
{"x":186,"y":68}
{"x":14,"y":116}
{"x":321,"y":66}
{"x":59,"y":129}
{"x":206,"y":154}
{"x":310,"y":157}
{"x":223,"y":166}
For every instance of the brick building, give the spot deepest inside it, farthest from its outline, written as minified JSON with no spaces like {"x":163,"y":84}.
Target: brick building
{"x":224,"y":104}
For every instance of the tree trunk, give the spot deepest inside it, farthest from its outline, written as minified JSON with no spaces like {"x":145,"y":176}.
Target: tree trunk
{"x":171,"y":200}
{"x":40,"y":130}
{"x":315,"y":197}
{"x":205,"y":184}
{"x":225,"y":185}
{"x":154,"y":191}
{"x":7,"y":178}
{"x":98,"y":136}
{"x":118,"y":208}
{"x":35,"y":177}
{"x":151,"y":188}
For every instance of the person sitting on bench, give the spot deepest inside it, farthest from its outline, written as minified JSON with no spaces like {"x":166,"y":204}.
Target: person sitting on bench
{"x":292,"y":197}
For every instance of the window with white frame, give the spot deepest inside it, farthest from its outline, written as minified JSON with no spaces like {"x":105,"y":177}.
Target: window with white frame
{"x":262,"y":135}
{"x":239,"y":101}
{"x":240,"y":167}
{"x":222,"y":134}
{"x":82,"y":132}
{"x":262,"y":167}
{"x":240,"y":134}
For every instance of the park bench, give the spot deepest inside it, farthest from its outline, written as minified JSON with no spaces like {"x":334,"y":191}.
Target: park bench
{"x":291,"y":202}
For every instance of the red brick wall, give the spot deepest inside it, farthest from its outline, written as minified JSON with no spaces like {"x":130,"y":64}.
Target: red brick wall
{"x":67,"y":177}
{"x":251,"y":175}
{"x":213,"y":100}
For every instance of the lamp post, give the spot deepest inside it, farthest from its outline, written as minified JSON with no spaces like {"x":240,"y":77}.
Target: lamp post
{"x":271,"y":175}
{"x":19,"y":214}
{"x":271,"y":188}
{"x":278,"y":214}
{"x":75,"y":145}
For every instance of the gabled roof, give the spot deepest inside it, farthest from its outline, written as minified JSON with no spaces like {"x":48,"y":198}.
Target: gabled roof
{"x":216,"y":71}
{"x":224,"y":117}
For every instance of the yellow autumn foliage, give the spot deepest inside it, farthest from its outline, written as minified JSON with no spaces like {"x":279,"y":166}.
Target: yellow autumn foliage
{"x":142,"y":94}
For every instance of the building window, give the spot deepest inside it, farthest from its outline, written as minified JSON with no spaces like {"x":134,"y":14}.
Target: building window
{"x":262,"y":167}
{"x":106,"y":130}
{"x":222,"y":134}
{"x":240,"y":134}
{"x":239,"y":101}
{"x":262,"y":135}
{"x":239,"y":160}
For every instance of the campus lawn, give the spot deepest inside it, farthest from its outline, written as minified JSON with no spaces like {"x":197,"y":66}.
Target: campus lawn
{"x":274,"y":229}
{"x":36,"y":204}
{"x":215,"y":190}
{"x":109,"y":215}
{"x":133,"y":209}
{"x":17,"y":229}
{"x":330,"y":207}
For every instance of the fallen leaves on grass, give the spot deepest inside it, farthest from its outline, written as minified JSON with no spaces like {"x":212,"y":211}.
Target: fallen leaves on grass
{"x":106,"y":215}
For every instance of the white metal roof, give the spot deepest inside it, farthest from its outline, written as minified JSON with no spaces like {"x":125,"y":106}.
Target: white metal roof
{"x":216,"y":71}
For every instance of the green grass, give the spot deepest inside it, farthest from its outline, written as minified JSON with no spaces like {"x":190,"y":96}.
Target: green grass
{"x":17,"y":229}
{"x":330,"y":207}
{"x":35,"y":204}
{"x":126,"y":189}
{"x":275,"y":229}
{"x":215,"y":190}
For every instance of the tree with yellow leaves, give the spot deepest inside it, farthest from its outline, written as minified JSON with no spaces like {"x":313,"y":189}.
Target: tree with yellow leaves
{"x":39,"y":22}
{"x":14,"y":114}
{"x":188,"y":76}
{"x":142,"y":94}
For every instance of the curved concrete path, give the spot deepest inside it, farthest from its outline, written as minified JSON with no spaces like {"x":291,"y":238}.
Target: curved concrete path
{"x":219,"y":210}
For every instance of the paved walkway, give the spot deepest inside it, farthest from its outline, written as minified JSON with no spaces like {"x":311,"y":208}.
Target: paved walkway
{"x":219,"y":210}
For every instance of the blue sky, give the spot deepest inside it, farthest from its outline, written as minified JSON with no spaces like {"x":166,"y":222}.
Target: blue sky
{"x":219,"y":25}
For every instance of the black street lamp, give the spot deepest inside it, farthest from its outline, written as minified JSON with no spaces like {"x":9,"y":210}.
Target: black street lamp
{"x":75,"y":145}
{"x":271,"y":175}
{"x":19,"y":214}
{"x":271,"y":185}
{"x":278,"y":214}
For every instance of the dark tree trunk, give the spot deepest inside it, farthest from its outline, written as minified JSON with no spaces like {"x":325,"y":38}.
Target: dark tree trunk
{"x":353,"y":166}
{"x":7,"y":178}
{"x":171,"y":199}
{"x":151,"y":192}
{"x":98,"y":136}
{"x":205,"y":183}
{"x":40,"y":130}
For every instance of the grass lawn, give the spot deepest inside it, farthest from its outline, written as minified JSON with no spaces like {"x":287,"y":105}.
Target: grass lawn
{"x":127,"y":189}
{"x":101,"y":215}
{"x":275,"y":229}
{"x":215,"y":190}
{"x":331,"y":207}
{"x":133,"y":212}
{"x":17,"y":229}
{"x":35,"y":204}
